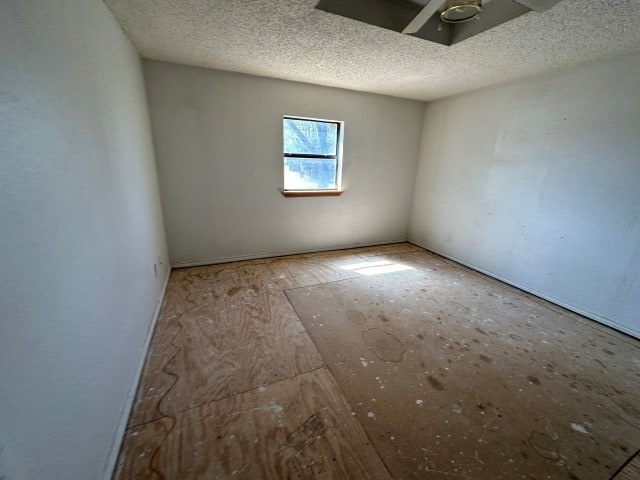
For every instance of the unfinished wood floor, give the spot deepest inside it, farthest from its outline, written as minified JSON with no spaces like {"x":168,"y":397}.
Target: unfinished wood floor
{"x":234,"y":387}
{"x":630,"y":470}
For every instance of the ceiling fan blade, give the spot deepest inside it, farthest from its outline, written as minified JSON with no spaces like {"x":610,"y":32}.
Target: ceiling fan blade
{"x":423,"y":16}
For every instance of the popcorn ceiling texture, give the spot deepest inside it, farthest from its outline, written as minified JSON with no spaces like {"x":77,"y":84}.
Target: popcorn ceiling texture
{"x":290,"y":39}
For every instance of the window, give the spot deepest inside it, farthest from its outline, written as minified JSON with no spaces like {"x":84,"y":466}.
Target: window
{"x":312,"y":156}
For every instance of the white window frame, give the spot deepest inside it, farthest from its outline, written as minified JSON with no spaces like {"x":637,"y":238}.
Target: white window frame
{"x":338,"y":157}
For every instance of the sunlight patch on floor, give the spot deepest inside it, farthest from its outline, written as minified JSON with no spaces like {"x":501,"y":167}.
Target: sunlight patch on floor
{"x":377,"y":267}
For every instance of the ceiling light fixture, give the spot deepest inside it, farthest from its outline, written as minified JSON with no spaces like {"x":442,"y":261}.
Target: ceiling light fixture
{"x":458,"y":11}
{"x":446,"y":22}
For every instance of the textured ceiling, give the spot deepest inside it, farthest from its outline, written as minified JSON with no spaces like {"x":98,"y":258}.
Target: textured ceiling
{"x":292,"y":40}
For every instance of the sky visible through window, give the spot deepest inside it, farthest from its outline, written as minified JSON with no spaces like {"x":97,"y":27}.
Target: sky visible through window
{"x":306,"y":142}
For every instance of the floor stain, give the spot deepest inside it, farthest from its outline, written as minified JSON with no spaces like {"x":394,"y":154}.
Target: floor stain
{"x":435,"y":383}
{"x":383,"y":345}
{"x":479,"y":330}
{"x":356,"y":317}
{"x":233,"y":290}
{"x":533,"y":379}
{"x":544,"y":445}
{"x":486,"y":359}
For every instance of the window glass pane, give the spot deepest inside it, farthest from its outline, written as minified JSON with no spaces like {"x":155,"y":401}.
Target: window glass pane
{"x":309,"y":137}
{"x":309,"y":173}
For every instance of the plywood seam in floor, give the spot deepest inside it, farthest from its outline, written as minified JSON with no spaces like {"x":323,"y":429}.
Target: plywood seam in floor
{"x":321,"y":283}
{"x":620,"y":473}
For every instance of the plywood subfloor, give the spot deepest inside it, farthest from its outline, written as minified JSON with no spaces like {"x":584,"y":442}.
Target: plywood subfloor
{"x":296,"y":428}
{"x":233,"y":386}
{"x":454,"y":375}
{"x":428,"y":370}
{"x":631,"y":470}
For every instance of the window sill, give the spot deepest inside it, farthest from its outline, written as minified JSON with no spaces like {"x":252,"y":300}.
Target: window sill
{"x":311,"y":193}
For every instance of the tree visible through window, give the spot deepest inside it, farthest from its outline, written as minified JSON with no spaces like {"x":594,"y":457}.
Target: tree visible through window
{"x":311,"y":154}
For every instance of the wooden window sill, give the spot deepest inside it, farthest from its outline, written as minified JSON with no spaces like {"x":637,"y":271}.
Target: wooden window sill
{"x":311,"y":193}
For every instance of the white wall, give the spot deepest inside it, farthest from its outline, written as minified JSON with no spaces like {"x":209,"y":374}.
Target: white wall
{"x":81,"y":231}
{"x":538,"y":183}
{"x":218,"y":142}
